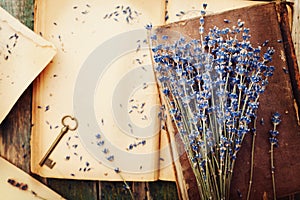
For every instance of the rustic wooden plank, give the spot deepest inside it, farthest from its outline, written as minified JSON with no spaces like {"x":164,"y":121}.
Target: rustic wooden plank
{"x":160,"y":190}
{"x":21,"y":9}
{"x":75,"y":189}
{"x":114,"y":190}
{"x":163,"y":190}
{"x":15,"y":133}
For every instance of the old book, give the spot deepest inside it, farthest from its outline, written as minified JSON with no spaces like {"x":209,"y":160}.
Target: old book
{"x":102,"y":75}
{"x":268,"y":26}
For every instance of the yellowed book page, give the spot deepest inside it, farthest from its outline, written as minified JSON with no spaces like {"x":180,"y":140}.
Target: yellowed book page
{"x":28,"y":187}
{"x":102,"y":75}
{"x":180,"y":10}
{"x":23,"y":55}
{"x":296,"y":29}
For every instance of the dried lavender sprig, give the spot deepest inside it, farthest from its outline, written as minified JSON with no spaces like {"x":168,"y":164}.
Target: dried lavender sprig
{"x":101,"y":143}
{"x":274,"y":142}
{"x":252,"y":159}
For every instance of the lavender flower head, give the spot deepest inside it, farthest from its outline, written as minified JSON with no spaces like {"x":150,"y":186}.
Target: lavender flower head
{"x":274,"y":133}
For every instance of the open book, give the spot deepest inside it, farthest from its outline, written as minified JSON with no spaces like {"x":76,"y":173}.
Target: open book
{"x":102,"y":75}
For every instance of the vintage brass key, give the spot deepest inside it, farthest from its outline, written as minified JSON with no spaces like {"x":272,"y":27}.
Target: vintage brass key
{"x":66,"y":120}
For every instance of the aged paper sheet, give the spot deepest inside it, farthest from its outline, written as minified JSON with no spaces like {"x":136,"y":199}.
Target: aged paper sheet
{"x":29,"y":187}
{"x":23,"y":55}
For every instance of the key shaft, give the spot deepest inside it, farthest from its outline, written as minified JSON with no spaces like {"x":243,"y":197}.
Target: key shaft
{"x":63,"y":131}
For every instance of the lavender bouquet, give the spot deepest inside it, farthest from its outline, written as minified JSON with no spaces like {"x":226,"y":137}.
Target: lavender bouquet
{"x":211,"y":86}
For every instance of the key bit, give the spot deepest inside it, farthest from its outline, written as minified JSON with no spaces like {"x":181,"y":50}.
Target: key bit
{"x":49,"y":163}
{"x":66,"y":127}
